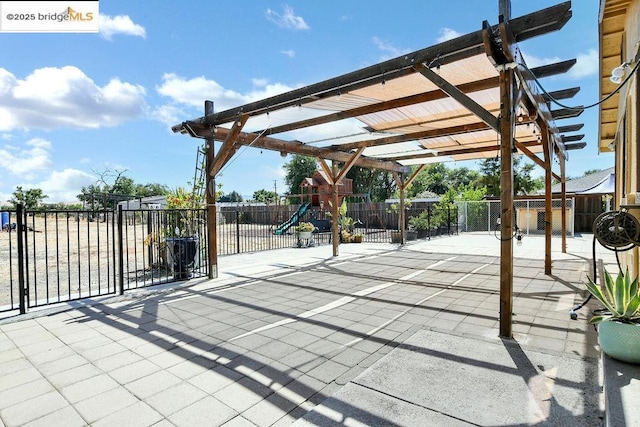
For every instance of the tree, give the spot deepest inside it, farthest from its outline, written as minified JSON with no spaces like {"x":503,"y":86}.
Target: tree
{"x":378,"y":184}
{"x":31,"y":198}
{"x":523,"y":182}
{"x":113,"y":186}
{"x":234,"y":196}
{"x":299,"y":168}
{"x":591,"y":171}
{"x":462,"y":177}
{"x":265,"y":196}
{"x":152,"y":189}
{"x":432,"y":178}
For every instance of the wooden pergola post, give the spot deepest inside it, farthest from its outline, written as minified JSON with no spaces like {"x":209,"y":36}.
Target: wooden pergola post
{"x":563,"y":187}
{"x":507,"y":134}
{"x":335,"y":233}
{"x":210,"y":187}
{"x":548,"y":196}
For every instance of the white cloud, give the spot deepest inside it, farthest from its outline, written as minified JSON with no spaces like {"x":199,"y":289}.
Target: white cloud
{"x":51,"y":98}
{"x":260,"y":82}
{"x":447,"y":34}
{"x":534,"y":61}
{"x":390,"y":50}
{"x":169,"y":114}
{"x":121,"y":24}
{"x":194,"y":91}
{"x":586,"y":63}
{"x":65,"y":185}
{"x":289,"y":53}
{"x":287,"y":20}
{"x":26,"y":162}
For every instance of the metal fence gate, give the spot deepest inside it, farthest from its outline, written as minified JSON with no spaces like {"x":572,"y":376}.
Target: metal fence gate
{"x":57,"y":256}
{"x":482,"y":216}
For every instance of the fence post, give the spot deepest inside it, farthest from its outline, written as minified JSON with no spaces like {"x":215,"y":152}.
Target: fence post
{"x":22,"y":292}
{"x":466,"y":216}
{"x":120,"y":252}
{"x":237,"y":231}
{"x":149,"y":233}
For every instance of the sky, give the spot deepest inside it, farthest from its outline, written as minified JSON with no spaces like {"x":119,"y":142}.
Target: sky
{"x":73,"y":105}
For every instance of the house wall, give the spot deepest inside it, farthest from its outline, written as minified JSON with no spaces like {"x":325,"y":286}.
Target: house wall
{"x":628,"y":131}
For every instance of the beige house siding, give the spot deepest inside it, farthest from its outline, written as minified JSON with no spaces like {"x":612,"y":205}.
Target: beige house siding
{"x":620,"y":116}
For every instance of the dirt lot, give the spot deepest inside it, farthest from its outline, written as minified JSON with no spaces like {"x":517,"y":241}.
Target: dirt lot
{"x":69,"y":257}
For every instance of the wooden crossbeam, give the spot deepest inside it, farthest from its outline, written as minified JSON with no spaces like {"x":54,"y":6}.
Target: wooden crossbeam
{"x":413,"y":136}
{"x":565,"y":113}
{"x":570,"y":128}
{"x":572,"y":138}
{"x":468,"y":102}
{"x":269,"y":143}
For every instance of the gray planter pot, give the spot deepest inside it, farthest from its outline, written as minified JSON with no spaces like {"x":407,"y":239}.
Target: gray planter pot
{"x":181,"y":255}
{"x":620,"y":340}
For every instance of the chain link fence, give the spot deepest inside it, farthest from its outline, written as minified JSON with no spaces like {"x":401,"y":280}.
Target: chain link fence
{"x":482,"y":216}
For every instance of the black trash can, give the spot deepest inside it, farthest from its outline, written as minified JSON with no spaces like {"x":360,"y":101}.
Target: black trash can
{"x":182,"y":252}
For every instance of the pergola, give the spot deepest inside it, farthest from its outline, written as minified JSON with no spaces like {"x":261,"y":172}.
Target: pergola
{"x":471,"y":97}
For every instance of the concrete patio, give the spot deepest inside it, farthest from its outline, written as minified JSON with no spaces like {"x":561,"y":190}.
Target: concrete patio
{"x":380,"y":335}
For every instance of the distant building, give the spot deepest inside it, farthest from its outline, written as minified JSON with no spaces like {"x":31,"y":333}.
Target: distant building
{"x":591,"y":194}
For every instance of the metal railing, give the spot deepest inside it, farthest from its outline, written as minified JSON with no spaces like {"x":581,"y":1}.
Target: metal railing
{"x":58,"y":256}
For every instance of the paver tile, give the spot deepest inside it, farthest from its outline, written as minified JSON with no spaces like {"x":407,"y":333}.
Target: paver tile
{"x":152,"y":384}
{"x":18,"y":378}
{"x":215,"y":379}
{"x":208,"y":412}
{"x":73,"y":375}
{"x":32,"y":409}
{"x":67,"y":417}
{"x":175,"y":398}
{"x":104,"y":404}
{"x":88,"y":388}
{"x":242,"y":394}
{"x":24,"y":392}
{"x":137,"y":415}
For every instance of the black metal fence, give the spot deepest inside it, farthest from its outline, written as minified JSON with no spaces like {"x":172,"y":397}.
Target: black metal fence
{"x":58,"y":256}
{"x":251,"y":228}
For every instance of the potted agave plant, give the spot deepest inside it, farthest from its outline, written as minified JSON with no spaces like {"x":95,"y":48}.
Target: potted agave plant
{"x":619,"y":322}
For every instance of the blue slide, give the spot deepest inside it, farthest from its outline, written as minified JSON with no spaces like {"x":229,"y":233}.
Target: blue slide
{"x":295,"y":218}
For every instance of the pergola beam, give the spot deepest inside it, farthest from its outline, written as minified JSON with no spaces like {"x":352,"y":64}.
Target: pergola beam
{"x":571,"y":138}
{"x":560,"y":94}
{"x":455,"y":93}
{"x":570,"y":128}
{"x":269,"y":143}
{"x":431,"y":133}
{"x":228,"y":148}
{"x":566,"y":113}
